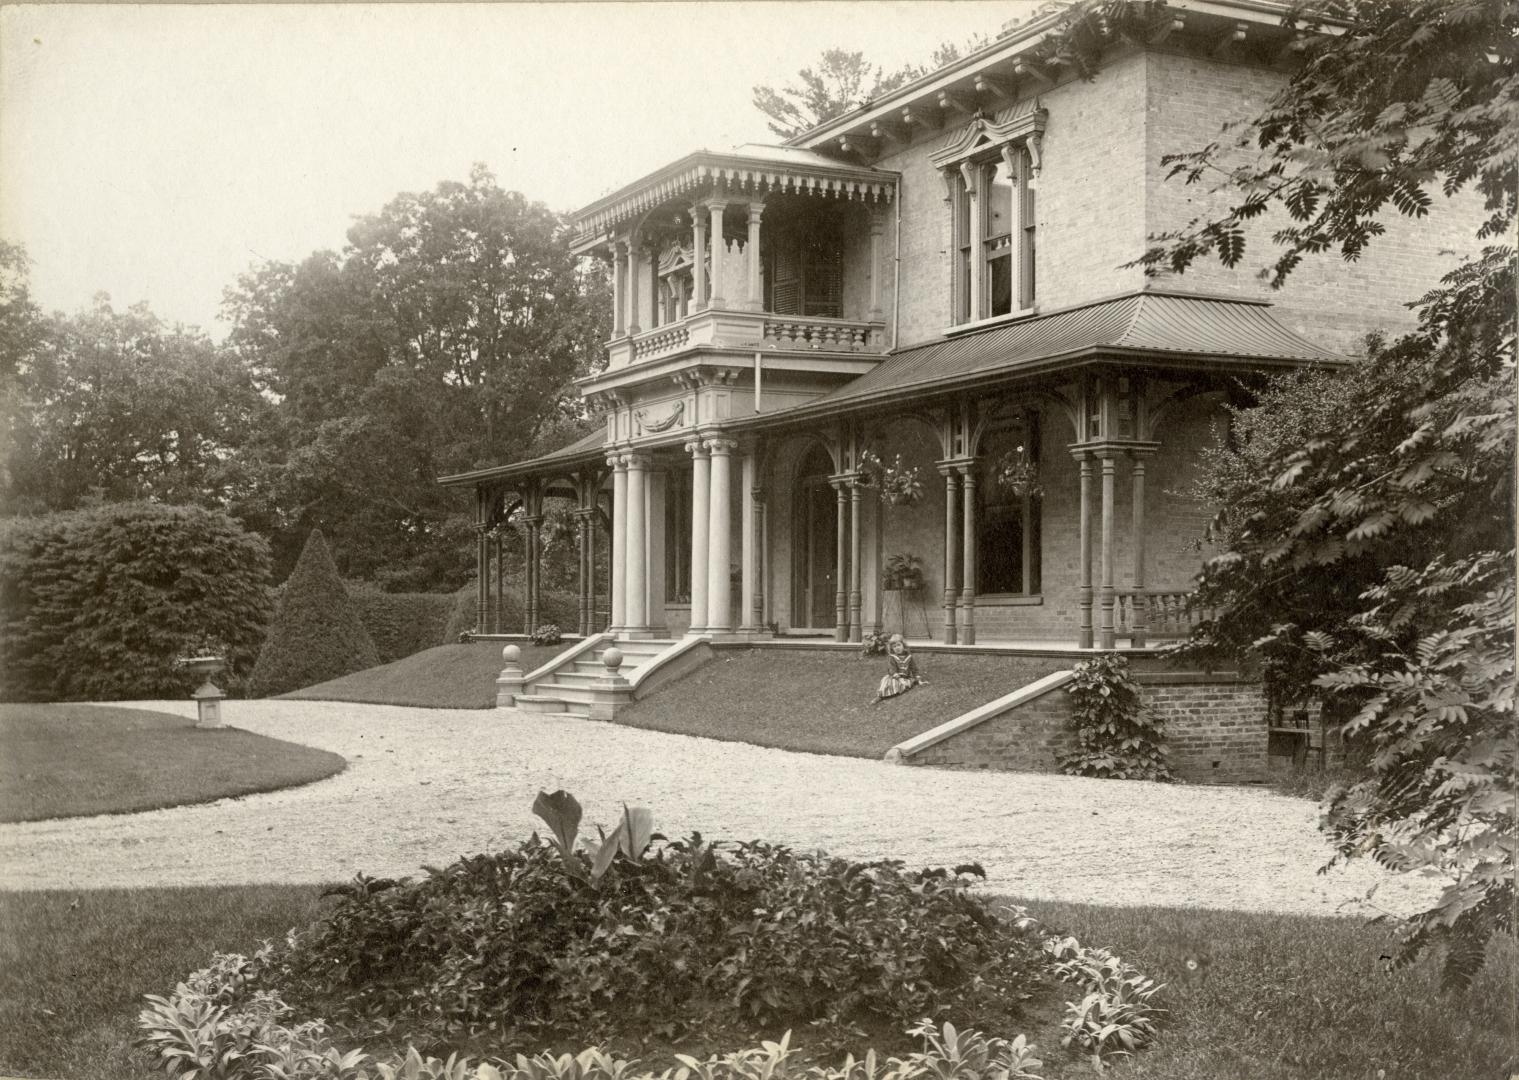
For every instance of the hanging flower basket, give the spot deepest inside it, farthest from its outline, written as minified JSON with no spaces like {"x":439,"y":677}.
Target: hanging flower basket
{"x":1017,"y":475}
{"x":898,"y":484}
{"x":904,"y":572}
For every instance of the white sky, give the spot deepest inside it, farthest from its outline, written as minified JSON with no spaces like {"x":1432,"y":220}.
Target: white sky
{"x":155,"y":152}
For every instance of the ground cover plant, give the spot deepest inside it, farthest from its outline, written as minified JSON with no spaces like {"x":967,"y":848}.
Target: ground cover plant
{"x":1271,"y":997}
{"x":72,"y":760}
{"x":553,"y":943}
{"x":823,"y":702}
{"x":447,"y":677}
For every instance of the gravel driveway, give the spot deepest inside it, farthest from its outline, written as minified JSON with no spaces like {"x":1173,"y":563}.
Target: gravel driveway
{"x":424,"y":786}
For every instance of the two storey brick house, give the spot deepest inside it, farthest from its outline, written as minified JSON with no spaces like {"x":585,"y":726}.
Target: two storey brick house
{"x":937,"y":283}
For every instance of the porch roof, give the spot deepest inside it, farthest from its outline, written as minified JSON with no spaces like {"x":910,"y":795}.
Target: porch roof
{"x":1202,"y":331}
{"x":753,"y":168}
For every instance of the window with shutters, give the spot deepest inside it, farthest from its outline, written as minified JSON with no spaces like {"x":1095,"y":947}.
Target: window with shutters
{"x":804,"y":269}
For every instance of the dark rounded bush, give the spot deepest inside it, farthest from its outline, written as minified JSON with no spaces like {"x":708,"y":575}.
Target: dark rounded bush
{"x":97,"y":604}
{"x":693,"y":941}
{"x":316,"y":635}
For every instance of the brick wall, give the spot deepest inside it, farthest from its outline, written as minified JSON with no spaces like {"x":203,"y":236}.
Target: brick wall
{"x":1215,"y":731}
{"x":1329,"y":301}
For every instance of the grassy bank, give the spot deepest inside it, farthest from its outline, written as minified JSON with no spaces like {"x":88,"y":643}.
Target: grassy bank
{"x":823,"y":701}
{"x":71,"y":760}
{"x":1280,"y":997}
{"x":447,"y":677}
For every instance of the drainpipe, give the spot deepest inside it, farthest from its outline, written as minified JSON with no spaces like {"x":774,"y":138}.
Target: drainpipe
{"x":758,"y":377}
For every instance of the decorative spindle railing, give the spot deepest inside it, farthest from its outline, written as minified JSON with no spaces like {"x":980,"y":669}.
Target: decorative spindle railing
{"x":834,"y":335}
{"x":1155,"y":613}
{"x":660,"y":341}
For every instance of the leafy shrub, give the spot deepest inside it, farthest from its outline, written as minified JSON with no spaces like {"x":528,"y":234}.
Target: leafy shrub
{"x":552,"y":941}
{"x":215,"y":1024}
{"x":558,"y":606}
{"x":873,"y":643}
{"x":316,"y":634}
{"x":1117,"y":737}
{"x":400,"y":624}
{"x":97,"y":604}
{"x":548,"y":634}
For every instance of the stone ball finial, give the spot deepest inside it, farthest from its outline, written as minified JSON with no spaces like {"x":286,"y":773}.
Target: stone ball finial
{"x":511,"y":656}
{"x":612,"y":658}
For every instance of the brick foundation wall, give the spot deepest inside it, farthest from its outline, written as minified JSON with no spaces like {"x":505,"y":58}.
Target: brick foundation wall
{"x":1215,"y":731}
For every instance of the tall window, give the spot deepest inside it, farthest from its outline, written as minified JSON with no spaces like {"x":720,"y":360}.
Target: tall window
{"x":994,"y":223}
{"x":804,"y":267}
{"x":1008,"y":516}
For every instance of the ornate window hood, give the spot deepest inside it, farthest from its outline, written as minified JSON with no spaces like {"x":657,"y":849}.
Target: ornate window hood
{"x":750,"y":170}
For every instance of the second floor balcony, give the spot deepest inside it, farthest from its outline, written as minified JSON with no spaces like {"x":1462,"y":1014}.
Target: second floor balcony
{"x":766,"y":248}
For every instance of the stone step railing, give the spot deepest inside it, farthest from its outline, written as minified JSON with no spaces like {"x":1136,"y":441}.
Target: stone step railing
{"x":1155,"y":613}
{"x":833,"y":335}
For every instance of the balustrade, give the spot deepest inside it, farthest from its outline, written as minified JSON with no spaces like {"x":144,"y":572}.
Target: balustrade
{"x":660,"y":341}
{"x":1162,"y":613}
{"x":834,"y":335}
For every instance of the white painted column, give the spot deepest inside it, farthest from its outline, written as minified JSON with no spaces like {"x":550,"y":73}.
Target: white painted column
{"x":748,"y":553}
{"x":619,"y":279}
{"x":700,"y":498}
{"x":877,"y":270}
{"x":756,"y":297}
{"x":654,"y":549}
{"x":972,"y":176}
{"x":634,"y":327}
{"x":619,"y":540}
{"x":698,"y":258}
{"x":719,"y":588}
{"x":636,"y":602}
{"x":716,"y":208}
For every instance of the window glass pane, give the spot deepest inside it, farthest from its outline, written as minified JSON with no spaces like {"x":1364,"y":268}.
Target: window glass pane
{"x":999,"y":283}
{"x":999,"y":186}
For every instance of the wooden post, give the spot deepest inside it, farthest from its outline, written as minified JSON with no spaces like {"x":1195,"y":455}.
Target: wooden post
{"x":500,"y":580}
{"x":855,"y":593}
{"x":698,"y":258}
{"x":619,"y":284}
{"x":1141,"y":602}
{"x":748,"y":550}
{"x":1084,"y":557}
{"x":1106,"y":634}
{"x":756,"y":298}
{"x":951,"y":551}
{"x":968,"y":567}
{"x":841,"y":536}
{"x":716,"y":208}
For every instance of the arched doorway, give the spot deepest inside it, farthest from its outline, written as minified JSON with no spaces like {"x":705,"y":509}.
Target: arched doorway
{"x":813,"y":529}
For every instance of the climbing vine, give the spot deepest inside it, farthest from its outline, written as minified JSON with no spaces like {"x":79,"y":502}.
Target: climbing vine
{"x":1117,"y":737}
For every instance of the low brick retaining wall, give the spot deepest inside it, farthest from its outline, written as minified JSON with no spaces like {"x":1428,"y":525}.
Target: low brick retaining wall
{"x":1215,"y":729}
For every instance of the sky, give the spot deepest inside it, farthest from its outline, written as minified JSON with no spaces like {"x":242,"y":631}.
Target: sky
{"x":155,"y":152}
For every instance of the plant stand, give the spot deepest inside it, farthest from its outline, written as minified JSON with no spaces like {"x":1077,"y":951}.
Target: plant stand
{"x":900,"y":599}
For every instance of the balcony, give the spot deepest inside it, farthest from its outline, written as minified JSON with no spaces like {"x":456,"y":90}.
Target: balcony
{"x":750,"y":330}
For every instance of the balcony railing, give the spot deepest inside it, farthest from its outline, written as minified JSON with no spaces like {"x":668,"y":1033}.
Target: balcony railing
{"x":834,"y":335}
{"x":751,"y":329}
{"x":1156,"y":613}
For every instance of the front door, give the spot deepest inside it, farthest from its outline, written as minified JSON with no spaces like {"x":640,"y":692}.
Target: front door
{"x":813,"y":551}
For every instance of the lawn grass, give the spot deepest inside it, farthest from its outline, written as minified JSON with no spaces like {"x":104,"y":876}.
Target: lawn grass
{"x":1283,"y":997}
{"x":445,"y":677}
{"x":70,"y":760}
{"x":823,"y":701}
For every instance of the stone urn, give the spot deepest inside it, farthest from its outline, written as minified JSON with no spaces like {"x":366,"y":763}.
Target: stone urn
{"x":208,"y":697}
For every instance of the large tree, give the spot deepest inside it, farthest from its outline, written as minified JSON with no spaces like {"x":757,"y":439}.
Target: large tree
{"x":445,"y":336}
{"x":1370,"y":566}
{"x":115,"y":405}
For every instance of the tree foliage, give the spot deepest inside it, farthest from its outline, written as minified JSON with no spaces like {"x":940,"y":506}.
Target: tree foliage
{"x":840,"y":81}
{"x":316,"y":634}
{"x":97,"y":604}
{"x":1369,"y":565}
{"x":115,"y":406}
{"x":445,"y":336}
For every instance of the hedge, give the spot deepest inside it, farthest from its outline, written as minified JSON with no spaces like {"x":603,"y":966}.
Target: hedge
{"x":555,"y":606}
{"x":316,"y":634}
{"x":401,"y":624}
{"x":97,"y":604}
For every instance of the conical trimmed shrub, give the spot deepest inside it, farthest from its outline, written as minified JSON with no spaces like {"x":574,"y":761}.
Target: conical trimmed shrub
{"x":316,"y":634}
